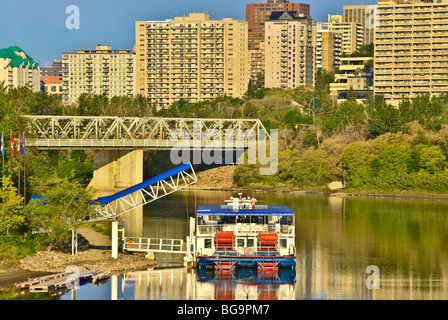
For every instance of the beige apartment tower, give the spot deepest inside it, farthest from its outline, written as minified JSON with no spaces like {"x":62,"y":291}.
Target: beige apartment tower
{"x":328,"y":47}
{"x":364,"y":15}
{"x":290,"y":50}
{"x":352,"y":33}
{"x":411,"y":49}
{"x":99,"y":71}
{"x":191,"y":58}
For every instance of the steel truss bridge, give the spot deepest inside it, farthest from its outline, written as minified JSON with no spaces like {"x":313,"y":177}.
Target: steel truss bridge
{"x":65,"y":132}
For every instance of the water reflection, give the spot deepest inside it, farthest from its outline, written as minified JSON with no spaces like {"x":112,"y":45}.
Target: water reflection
{"x":247,"y":284}
{"x":183,"y":284}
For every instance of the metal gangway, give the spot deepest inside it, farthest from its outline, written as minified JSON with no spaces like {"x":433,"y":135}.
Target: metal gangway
{"x":113,"y":206}
{"x":109,"y":208}
{"x":163,"y":245}
{"x":135,"y":244}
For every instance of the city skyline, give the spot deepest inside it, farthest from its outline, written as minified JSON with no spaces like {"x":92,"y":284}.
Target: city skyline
{"x":40,"y":27}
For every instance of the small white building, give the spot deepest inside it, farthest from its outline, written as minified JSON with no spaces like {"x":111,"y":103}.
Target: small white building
{"x":18,"y":69}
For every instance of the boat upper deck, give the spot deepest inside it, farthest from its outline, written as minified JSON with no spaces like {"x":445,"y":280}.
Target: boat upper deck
{"x":257,"y":210}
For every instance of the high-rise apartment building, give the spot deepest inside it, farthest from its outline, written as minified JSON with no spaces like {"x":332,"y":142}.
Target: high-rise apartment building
{"x":352,"y":33}
{"x":51,"y":78}
{"x":411,"y":49}
{"x":290,"y":54}
{"x":328,"y":47}
{"x":99,"y":71}
{"x":191,"y":58}
{"x":18,"y":69}
{"x":256,"y":15}
{"x":362,"y":14}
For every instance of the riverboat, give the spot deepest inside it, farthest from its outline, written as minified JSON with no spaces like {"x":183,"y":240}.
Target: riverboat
{"x":244,"y":234}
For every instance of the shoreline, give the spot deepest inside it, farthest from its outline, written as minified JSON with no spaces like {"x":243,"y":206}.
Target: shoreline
{"x":338,"y":193}
{"x":96,"y":257}
{"x":221,"y":179}
{"x":97,"y":260}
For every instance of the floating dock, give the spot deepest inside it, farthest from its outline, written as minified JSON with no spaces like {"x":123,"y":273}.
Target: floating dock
{"x":60,"y":281}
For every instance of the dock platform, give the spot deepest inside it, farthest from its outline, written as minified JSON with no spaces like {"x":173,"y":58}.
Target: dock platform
{"x":63,"y":282}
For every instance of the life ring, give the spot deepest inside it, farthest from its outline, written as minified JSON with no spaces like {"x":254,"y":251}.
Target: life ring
{"x":248,"y":250}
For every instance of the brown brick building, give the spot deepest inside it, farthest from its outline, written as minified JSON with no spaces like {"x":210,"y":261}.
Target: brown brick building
{"x":256,"y":15}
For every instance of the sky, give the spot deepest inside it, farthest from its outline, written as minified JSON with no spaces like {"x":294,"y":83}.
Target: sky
{"x":39,"y":26}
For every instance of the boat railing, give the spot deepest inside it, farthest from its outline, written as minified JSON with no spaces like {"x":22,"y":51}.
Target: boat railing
{"x":212,"y":228}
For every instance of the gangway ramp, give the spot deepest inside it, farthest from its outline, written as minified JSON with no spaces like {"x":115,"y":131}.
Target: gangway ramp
{"x":113,"y":206}
{"x":134,"y":244}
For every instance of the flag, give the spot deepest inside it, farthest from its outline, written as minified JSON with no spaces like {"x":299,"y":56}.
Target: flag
{"x":12,"y":144}
{"x":3,"y":146}
{"x":23,"y":143}
{"x":18,"y":145}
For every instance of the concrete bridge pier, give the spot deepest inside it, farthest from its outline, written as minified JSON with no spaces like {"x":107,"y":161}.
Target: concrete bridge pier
{"x":116,"y":170}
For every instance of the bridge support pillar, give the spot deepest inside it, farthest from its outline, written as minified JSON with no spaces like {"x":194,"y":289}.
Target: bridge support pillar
{"x":116,"y":170}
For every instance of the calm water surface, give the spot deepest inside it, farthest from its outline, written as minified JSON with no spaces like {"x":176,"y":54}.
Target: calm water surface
{"x":336,"y":240}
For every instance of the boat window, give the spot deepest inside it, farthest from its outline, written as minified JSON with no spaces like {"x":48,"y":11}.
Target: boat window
{"x":250,"y":242}
{"x":228,"y":219}
{"x":286,"y":220}
{"x":243,"y":219}
{"x":240,"y":243}
{"x":283,"y":243}
{"x":207,"y":243}
{"x":272,"y":219}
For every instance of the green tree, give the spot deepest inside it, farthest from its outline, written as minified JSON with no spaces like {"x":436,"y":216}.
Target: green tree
{"x":11,"y":207}
{"x":383,"y":118}
{"x":432,"y":159}
{"x":349,"y":114}
{"x":61,"y":209}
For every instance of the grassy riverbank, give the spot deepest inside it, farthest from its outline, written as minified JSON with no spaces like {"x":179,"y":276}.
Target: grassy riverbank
{"x":221,"y":178}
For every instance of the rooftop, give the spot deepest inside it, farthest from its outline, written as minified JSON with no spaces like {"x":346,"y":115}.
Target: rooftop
{"x":286,"y":15}
{"x":18,"y":57}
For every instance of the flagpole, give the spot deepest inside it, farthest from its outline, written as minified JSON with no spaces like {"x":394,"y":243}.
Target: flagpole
{"x":18,"y":156}
{"x":10,"y":160}
{"x":24,"y":168}
{"x":3,"y":157}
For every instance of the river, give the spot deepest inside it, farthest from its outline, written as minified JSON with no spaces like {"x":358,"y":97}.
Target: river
{"x":342,"y":243}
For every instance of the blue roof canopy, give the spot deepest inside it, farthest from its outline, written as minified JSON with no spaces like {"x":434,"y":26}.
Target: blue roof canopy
{"x":144,"y":184}
{"x":258,"y":211}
